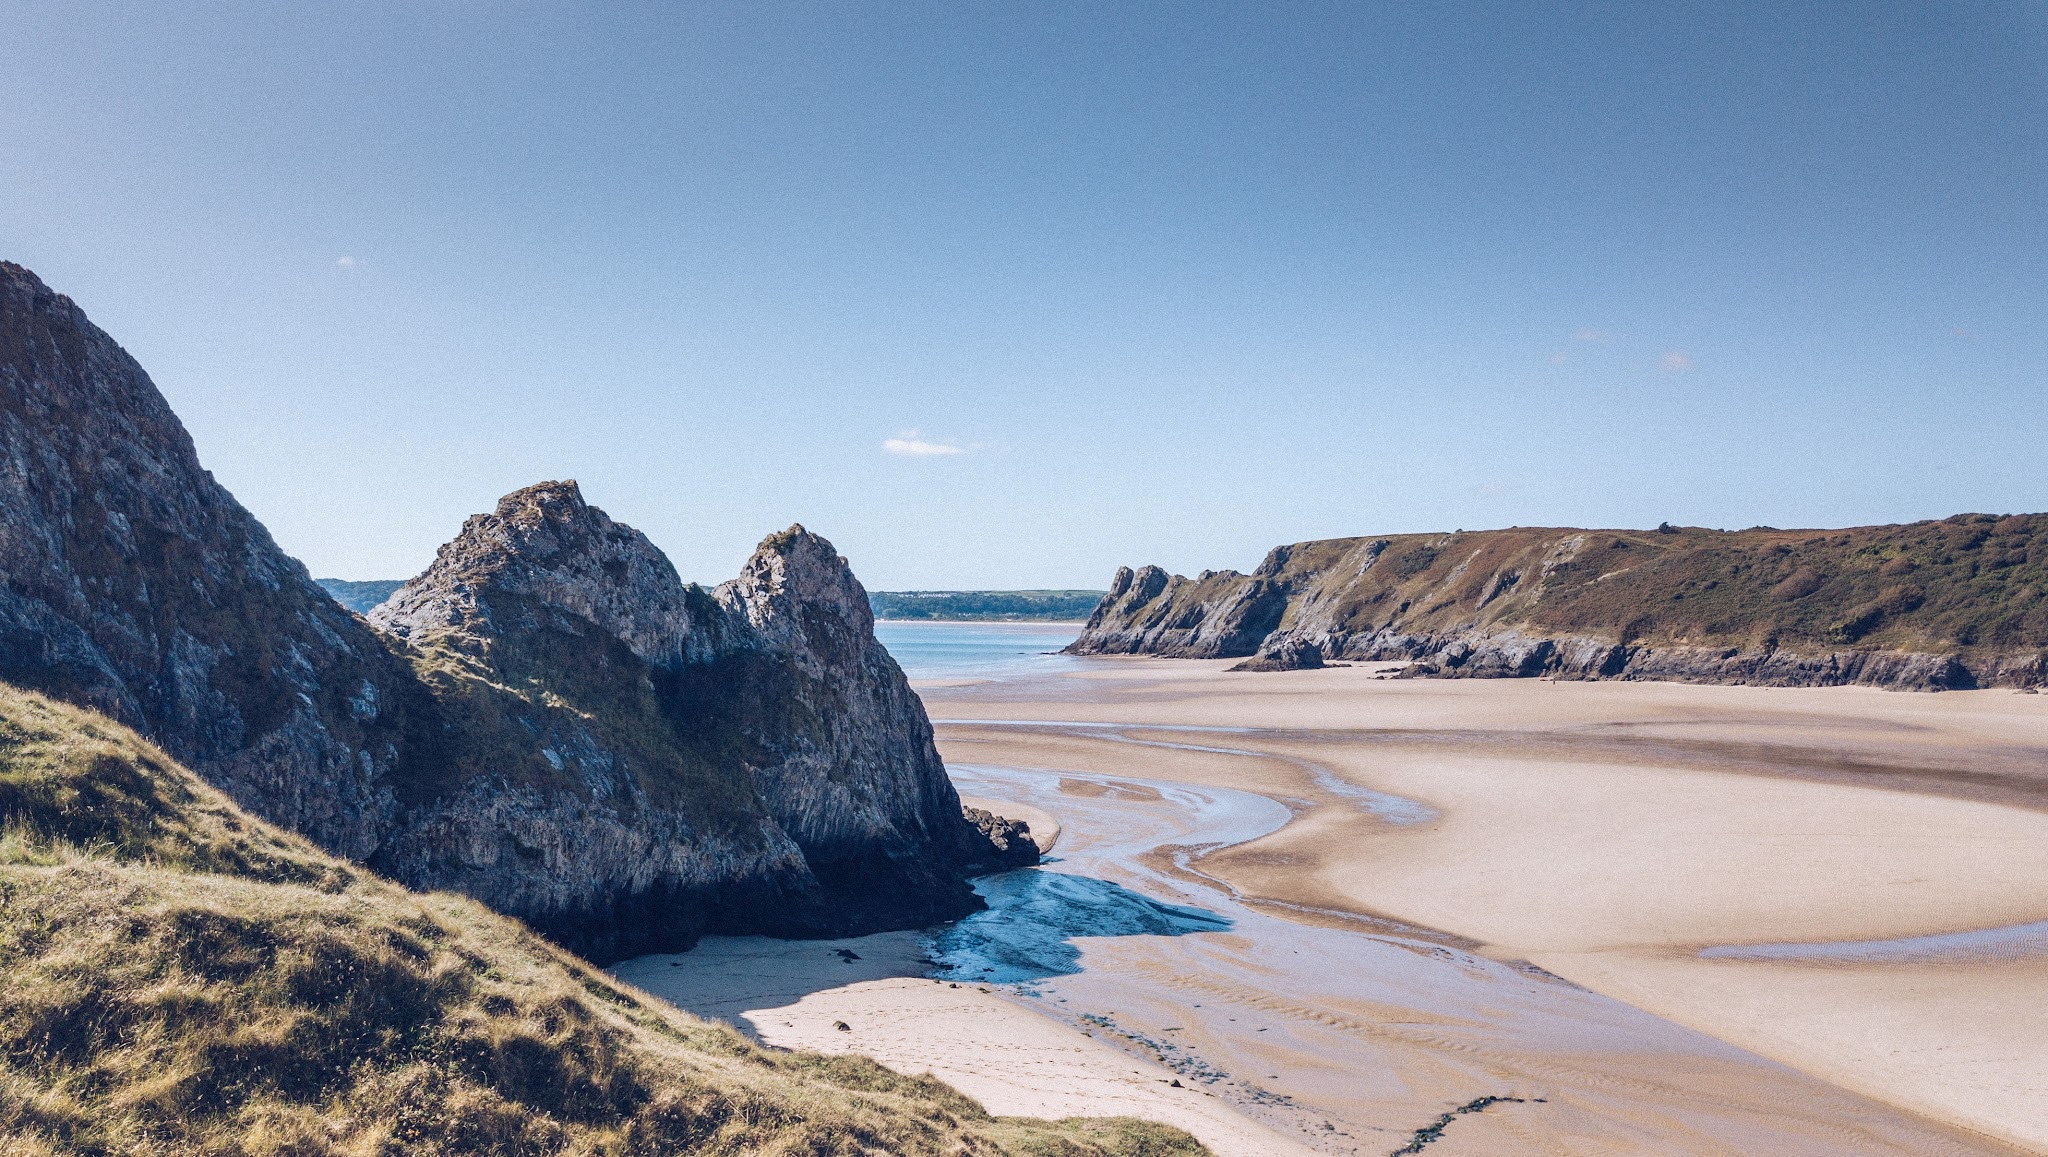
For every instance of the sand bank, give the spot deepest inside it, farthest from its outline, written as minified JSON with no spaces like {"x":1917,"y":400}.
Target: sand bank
{"x":1612,"y":832}
{"x":795,"y":994}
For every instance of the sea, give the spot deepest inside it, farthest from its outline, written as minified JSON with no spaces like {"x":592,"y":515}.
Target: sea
{"x":943,"y":650}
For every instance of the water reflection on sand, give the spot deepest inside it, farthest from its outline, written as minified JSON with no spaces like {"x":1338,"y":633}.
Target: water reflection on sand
{"x":1353,"y":1038}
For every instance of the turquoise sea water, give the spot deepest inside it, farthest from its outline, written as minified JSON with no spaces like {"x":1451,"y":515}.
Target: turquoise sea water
{"x":929,"y":650}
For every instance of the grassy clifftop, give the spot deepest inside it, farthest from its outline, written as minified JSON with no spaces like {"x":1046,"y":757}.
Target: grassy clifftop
{"x":1958,"y":602}
{"x":1972,"y":582}
{"x":185,"y":979}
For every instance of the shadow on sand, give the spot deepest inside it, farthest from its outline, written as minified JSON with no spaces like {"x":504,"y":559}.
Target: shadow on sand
{"x":1026,"y":935}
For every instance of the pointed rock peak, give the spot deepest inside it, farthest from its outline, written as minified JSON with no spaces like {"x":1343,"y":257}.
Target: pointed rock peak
{"x":556,"y":501}
{"x":21,"y":283}
{"x":795,"y":568}
{"x":545,"y":544}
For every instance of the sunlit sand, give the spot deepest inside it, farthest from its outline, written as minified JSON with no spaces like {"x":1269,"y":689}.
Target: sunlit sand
{"x":1609,"y":834}
{"x":1596,"y":917}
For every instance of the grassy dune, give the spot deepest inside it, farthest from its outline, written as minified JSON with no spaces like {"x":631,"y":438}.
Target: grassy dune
{"x":182,"y":978}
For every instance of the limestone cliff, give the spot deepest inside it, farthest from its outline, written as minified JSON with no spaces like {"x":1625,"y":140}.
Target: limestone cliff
{"x":554,"y":723}
{"x":643,"y":758}
{"x":136,"y":585}
{"x":1962,"y":602}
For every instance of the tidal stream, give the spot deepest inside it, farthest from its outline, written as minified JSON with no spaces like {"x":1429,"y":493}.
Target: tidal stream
{"x":1356,"y":1039}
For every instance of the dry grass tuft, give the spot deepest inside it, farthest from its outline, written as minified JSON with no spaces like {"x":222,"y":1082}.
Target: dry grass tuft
{"x":185,"y":979}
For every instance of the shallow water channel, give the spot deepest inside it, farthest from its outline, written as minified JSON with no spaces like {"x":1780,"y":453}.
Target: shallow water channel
{"x":1354,"y":1037}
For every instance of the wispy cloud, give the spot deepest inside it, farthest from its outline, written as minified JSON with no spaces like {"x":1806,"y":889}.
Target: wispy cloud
{"x":909,"y":445}
{"x":1593,"y":335}
{"x":1675,"y":362}
{"x":346,"y":262}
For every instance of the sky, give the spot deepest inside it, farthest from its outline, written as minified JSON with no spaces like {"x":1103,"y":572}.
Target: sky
{"x":1006,"y":294}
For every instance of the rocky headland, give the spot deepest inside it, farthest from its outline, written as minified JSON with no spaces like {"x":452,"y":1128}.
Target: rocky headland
{"x":1956,"y":603}
{"x":640,"y":758}
{"x":548,"y":719}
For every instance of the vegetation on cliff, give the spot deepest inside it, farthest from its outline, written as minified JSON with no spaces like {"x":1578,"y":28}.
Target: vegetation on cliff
{"x":184,"y":978}
{"x":1957,"y":602}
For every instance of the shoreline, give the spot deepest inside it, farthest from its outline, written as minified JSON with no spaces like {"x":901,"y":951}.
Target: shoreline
{"x":870,"y":995}
{"x":1904,"y":766}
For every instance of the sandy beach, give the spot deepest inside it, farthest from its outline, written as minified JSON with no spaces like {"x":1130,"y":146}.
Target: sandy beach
{"x":1016,"y":1062}
{"x":1328,"y":911}
{"x":1680,"y":849}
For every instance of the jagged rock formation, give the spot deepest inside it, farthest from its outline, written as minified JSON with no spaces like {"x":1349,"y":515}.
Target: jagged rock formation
{"x":1962,"y":602}
{"x":1009,"y":841}
{"x":642,"y":758}
{"x":554,"y":723}
{"x":136,"y":585}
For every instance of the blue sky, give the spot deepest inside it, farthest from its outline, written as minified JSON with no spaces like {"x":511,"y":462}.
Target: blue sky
{"x":1006,"y":294}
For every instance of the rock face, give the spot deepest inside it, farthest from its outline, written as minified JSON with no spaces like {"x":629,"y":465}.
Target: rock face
{"x":1009,"y":841}
{"x":136,"y":585}
{"x":548,"y":719}
{"x":644,"y":759}
{"x":1962,"y":602}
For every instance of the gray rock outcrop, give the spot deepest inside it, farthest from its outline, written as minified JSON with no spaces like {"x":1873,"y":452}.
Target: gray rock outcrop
{"x":548,"y":719}
{"x":641,"y":753}
{"x":135,"y":584}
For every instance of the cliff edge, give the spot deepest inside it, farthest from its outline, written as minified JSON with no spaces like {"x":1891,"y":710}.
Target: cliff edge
{"x":642,"y":759}
{"x":1955,"y":603}
{"x":548,"y":719}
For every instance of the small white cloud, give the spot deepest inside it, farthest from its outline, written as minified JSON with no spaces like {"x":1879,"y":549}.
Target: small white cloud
{"x":1593,"y":335}
{"x":909,"y":445}
{"x":1675,"y":362}
{"x":346,"y":262}
{"x":1558,"y":359}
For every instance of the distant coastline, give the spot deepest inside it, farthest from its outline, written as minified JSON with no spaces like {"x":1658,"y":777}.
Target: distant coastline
{"x":969,"y":622}
{"x":1030,"y":606}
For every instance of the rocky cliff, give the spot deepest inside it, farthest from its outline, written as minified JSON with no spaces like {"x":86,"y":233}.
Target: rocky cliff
{"x":550,"y":720}
{"x":642,"y":758}
{"x":136,"y":585}
{"x":1961,"y":602}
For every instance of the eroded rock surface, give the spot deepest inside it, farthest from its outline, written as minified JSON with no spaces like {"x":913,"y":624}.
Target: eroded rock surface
{"x":747,"y":757}
{"x":548,"y":719}
{"x":135,"y":584}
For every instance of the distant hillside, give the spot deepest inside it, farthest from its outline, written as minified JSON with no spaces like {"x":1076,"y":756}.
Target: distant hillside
{"x":1961,"y":602}
{"x":184,"y":978}
{"x":360,"y":596}
{"x":969,"y":606}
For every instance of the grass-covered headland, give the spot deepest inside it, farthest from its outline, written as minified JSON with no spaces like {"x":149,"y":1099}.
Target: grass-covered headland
{"x":182,"y":978}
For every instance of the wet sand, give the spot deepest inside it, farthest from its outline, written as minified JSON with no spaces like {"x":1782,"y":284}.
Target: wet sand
{"x":1629,"y":838}
{"x":975,"y":1037}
